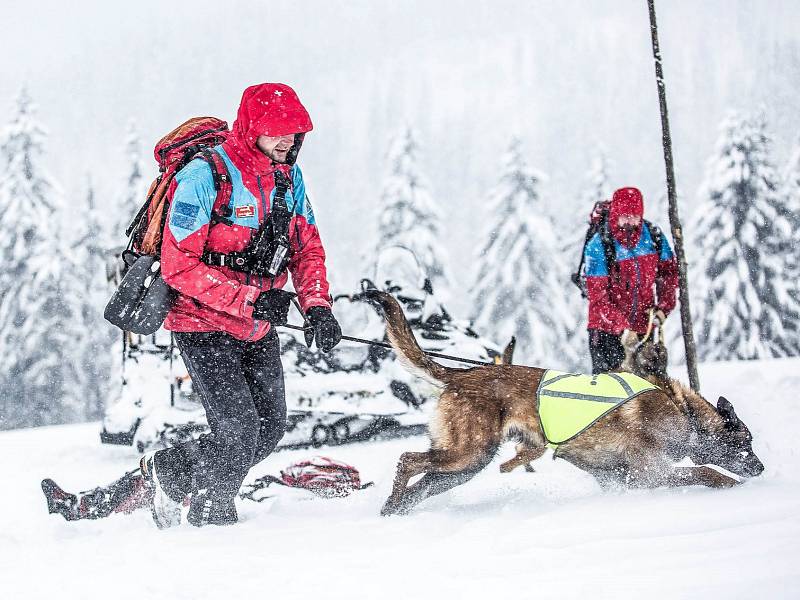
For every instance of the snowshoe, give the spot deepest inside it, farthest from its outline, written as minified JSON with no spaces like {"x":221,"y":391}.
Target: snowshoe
{"x":125,"y":495}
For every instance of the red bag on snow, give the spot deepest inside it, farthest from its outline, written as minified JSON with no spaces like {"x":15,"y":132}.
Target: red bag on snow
{"x":321,"y":475}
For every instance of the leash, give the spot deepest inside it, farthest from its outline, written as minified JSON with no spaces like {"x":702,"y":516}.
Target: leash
{"x":350,"y":338}
{"x":650,"y":324}
{"x":309,"y":328}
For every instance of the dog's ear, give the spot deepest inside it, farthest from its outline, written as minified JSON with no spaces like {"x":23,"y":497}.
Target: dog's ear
{"x":725,"y":409}
{"x":508,"y":353}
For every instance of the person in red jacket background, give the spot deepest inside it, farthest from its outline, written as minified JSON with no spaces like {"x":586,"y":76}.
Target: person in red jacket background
{"x":225,"y":315}
{"x":642,"y":277}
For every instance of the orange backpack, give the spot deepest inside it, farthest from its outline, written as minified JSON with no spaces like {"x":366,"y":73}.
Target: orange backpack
{"x":172,"y":152}
{"x":142,"y":299}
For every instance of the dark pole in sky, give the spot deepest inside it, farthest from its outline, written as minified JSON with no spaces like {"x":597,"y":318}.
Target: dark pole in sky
{"x":674,"y":220}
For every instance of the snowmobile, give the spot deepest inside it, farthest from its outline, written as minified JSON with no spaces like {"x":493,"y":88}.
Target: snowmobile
{"x":354,"y":393}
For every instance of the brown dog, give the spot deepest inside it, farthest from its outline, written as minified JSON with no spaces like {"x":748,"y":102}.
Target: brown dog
{"x":636,"y":444}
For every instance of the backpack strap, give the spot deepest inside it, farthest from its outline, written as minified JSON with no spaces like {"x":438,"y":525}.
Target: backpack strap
{"x":143,"y":237}
{"x":597,"y":224}
{"x":221,"y":211}
{"x":137,"y":220}
{"x":577,"y":277}
{"x":609,"y":249}
{"x":222,"y":185}
{"x":281,"y":217}
{"x":657,"y":235}
{"x":165,"y":183}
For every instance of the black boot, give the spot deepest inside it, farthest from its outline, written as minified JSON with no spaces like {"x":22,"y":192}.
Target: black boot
{"x":205,"y":509}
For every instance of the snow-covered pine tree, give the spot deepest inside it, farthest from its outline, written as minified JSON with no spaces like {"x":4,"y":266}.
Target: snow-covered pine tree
{"x":791,"y":194}
{"x":89,"y":261}
{"x":56,"y":336}
{"x":134,"y":187}
{"x":519,"y":288}
{"x":36,"y":314}
{"x":20,"y":141}
{"x":409,"y":216}
{"x":743,"y":234}
{"x":572,"y":235}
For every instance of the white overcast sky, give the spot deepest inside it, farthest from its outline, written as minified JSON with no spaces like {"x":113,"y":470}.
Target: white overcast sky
{"x":563,"y":75}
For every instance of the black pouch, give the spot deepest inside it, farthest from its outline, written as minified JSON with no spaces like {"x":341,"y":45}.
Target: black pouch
{"x":142,"y":299}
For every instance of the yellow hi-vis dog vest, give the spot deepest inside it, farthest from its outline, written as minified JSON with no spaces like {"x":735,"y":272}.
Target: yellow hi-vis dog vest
{"x":570,"y":403}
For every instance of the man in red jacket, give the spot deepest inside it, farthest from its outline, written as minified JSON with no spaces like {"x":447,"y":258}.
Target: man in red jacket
{"x":225,"y":315}
{"x":630,"y":270}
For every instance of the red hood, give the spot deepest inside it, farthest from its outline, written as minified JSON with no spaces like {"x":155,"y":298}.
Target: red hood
{"x":271,"y":109}
{"x":626,"y":201}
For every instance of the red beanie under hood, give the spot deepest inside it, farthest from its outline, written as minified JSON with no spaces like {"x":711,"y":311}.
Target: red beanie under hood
{"x":271,"y":109}
{"x":626,"y":201}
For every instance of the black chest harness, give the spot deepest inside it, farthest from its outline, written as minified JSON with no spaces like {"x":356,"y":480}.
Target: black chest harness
{"x":268,"y":252}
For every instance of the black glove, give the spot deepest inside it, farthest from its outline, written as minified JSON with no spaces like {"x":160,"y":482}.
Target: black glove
{"x":326,"y":328}
{"x":273,"y":306}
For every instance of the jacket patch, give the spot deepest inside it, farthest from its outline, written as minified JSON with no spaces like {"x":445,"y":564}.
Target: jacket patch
{"x":184,"y":215}
{"x":244,"y":212}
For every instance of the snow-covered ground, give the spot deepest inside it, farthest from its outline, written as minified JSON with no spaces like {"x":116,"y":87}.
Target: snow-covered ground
{"x":552,"y":533}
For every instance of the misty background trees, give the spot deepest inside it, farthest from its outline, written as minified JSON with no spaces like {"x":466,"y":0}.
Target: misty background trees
{"x":519,"y":287}
{"x":409,"y":215}
{"x":42,"y":333}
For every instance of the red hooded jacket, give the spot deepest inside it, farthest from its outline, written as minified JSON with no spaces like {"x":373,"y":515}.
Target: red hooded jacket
{"x":621,"y":295}
{"x":214,"y":298}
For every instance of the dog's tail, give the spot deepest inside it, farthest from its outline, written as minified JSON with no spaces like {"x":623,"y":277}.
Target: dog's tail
{"x":405,"y":344}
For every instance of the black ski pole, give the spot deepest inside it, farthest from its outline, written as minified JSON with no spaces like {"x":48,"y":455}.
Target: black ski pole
{"x":674,"y":220}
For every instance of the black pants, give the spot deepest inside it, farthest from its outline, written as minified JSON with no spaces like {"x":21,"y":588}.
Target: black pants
{"x":606,"y":351}
{"x":241,"y":387}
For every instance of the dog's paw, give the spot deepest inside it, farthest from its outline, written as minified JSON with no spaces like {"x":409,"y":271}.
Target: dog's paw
{"x":389,"y":509}
{"x":398,"y":507}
